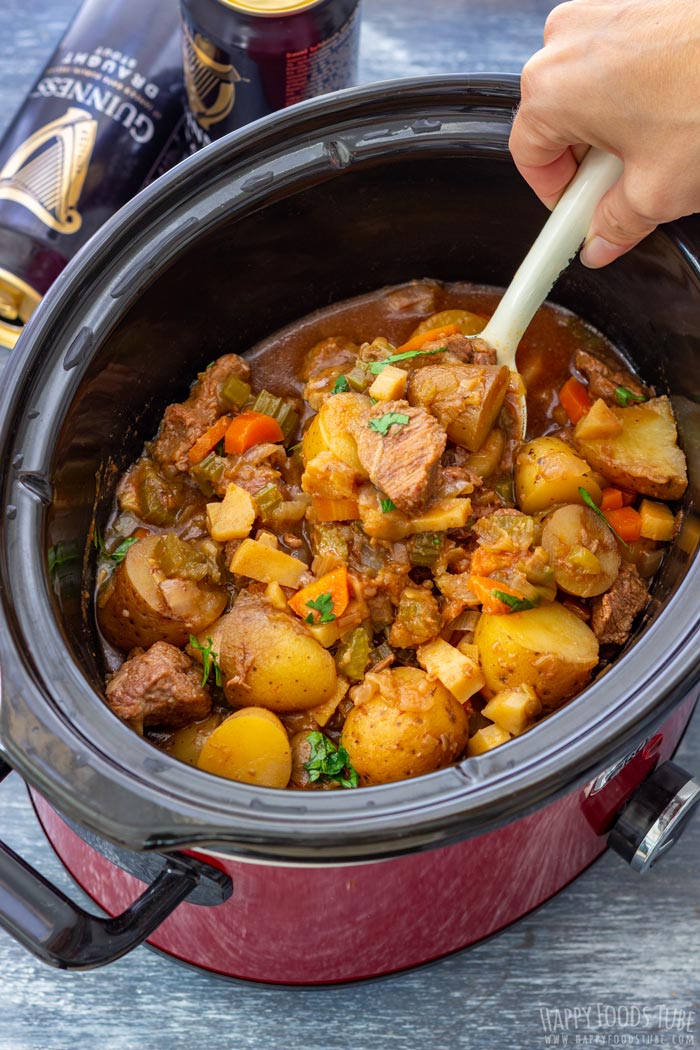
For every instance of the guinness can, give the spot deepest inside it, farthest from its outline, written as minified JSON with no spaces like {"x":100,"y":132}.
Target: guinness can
{"x":104,"y":117}
{"x":245,"y":58}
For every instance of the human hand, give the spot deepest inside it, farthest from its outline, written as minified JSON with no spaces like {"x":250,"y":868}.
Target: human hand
{"x":623,"y":75}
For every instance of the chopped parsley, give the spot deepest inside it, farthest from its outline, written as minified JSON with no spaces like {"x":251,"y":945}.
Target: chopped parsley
{"x":119,"y":553}
{"x":341,"y":385}
{"x":389,"y":419}
{"x":327,"y":760}
{"x":378,"y":366}
{"x":210,"y":660}
{"x":590,"y":502}
{"x":514,"y":603}
{"x":323,"y":606}
{"x":625,"y":396}
{"x":387,"y":505}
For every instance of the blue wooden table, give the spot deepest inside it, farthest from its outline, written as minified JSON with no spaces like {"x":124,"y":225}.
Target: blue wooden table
{"x":614,"y":960}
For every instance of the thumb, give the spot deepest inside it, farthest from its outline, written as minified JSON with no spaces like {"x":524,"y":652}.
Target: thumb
{"x":617,"y":226}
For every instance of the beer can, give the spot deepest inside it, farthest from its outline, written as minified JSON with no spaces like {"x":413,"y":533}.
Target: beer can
{"x":98,"y":124}
{"x":246,"y":58}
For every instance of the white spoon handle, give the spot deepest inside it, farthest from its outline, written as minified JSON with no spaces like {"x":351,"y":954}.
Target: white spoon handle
{"x":557,"y":244}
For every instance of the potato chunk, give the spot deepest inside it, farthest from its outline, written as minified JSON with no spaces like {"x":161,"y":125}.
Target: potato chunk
{"x":548,"y":472}
{"x":233,"y":517}
{"x":465,"y":399}
{"x":582,"y":550}
{"x":403,"y":724}
{"x":251,"y":746}
{"x":139,"y":606}
{"x":548,"y":648}
{"x":269,"y":659}
{"x":644,"y":456}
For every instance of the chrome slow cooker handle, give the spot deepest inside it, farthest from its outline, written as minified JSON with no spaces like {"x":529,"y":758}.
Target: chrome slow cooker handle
{"x":655,"y":816}
{"x":61,"y":933}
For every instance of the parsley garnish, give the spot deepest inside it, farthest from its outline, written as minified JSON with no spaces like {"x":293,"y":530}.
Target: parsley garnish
{"x":387,"y":505}
{"x":210,"y":660}
{"x":323,"y":606}
{"x":590,"y":502}
{"x":378,"y":366}
{"x":327,"y":760}
{"x":389,"y":419}
{"x":119,"y":553}
{"x":341,"y":385}
{"x":514,"y":603}
{"x":625,"y":396}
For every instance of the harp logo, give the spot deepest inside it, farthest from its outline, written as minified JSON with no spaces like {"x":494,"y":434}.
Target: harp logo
{"x":46,"y":173}
{"x":211,"y":85}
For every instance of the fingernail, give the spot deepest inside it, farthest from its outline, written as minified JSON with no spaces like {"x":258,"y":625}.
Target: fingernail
{"x":599,"y":252}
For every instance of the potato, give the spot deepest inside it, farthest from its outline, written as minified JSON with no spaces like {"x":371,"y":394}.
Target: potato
{"x":469,"y":323}
{"x":514,"y":710}
{"x":465,"y":399}
{"x":330,"y":430}
{"x":645,"y":456}
{"x":185,"y":744}
{"x":486,"y":460}
{"x":405,"y":725}
{"x":139,"y":606}
{"x":486,"y":739}
{"x":582,"y":550}
{"x":269,"y":659}
{"x":251,"y":746}
{"x":548,"y":472}
{"x":548,"y":648}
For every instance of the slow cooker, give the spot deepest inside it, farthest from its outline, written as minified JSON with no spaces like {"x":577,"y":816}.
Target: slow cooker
{"x":327,"y":200}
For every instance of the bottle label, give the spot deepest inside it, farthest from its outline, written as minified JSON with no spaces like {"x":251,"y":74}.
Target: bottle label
{"x":46,"y":172}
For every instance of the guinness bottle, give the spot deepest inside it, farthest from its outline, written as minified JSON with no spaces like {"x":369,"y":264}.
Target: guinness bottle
{"x":103,"y":119}
{"x":245,"y":58}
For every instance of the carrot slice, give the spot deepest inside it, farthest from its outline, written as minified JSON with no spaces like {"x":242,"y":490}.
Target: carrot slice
{"x":427,"y":337}
{"x":335,"y":509}
{"x":484,"y":586}
{"x":574,"y":399}
{"x":251,"y":428}
{"x":627,"y":523}
{"x":209,"y":440}
{"x":612,"y":499}
{"x":327,"y":597}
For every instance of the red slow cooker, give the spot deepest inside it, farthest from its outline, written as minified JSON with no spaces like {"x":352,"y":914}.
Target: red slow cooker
{"x":331,"y":199}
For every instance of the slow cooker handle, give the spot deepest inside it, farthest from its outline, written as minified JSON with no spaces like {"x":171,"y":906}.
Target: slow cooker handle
{"x":655,"y":816}
{"x":62,"y":934}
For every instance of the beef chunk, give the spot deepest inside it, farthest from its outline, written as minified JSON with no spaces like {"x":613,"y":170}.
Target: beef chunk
{"x":184,"y":422}
{"x":402,"y":462}
{"x":158,"y":687}
{"x":614,"y":612}
{"x":456,"y":348}
{"x":603,"y":380}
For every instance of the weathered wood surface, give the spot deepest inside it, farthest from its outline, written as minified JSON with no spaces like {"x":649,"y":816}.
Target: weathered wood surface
{"x":611,"y":938}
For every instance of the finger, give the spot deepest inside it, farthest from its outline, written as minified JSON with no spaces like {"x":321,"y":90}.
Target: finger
{"x":545,"y":161}
{"x":550,"y":180}
{"x":617,"y":226}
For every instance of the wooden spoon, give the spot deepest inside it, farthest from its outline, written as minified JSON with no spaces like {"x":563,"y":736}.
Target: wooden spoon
{"x":555,"y":247}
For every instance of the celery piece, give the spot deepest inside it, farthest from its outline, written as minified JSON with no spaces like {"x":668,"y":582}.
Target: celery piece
{"x":281,"y":410}
{"x":234,"y":392}
{"x":208,"y":473}
{"x":268,"y":499}
{"x":358,"y":378}
{"x":426,"y":548}
{"x":352,"y":656}
{"x":156,"y":499}
{"x":179,"y":560}
{"x":329,"y":538}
